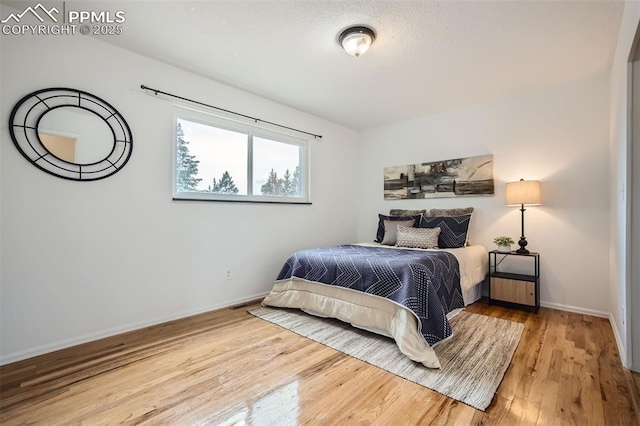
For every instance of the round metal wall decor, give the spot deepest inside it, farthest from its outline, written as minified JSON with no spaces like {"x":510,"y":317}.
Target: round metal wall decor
{"x":71,"y":134}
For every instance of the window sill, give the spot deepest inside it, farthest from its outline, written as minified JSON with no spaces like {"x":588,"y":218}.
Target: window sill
{"x":305,"y":203}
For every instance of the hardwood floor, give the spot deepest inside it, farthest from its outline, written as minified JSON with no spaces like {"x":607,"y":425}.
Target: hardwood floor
{"x":228,"y":367}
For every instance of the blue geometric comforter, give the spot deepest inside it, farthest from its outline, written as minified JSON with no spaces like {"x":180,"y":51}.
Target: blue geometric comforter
{"x":426,"y":282}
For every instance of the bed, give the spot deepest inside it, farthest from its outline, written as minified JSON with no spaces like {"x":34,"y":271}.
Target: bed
{"x":406,"y":293}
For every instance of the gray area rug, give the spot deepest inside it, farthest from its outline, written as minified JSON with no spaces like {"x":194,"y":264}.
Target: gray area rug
{"x":473,"y":361}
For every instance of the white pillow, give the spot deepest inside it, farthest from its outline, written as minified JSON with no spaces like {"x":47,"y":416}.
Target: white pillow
{"x":426,"y":238}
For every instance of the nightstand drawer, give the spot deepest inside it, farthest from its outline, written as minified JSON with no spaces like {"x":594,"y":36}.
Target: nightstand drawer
{"x":514,"y":291}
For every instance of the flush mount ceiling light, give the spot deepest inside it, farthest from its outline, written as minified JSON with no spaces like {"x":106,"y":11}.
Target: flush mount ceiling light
{"x":356,"y":40}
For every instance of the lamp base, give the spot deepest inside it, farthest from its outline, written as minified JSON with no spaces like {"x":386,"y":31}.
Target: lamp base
{"x":523,"y":244}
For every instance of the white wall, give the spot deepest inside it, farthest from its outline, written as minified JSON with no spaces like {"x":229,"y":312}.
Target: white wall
{"x":633,"y":294}
{"x":86,"y":259}
{"x":619,"y":189}
{"x":557,"y":135}
{"x":1,"y":197}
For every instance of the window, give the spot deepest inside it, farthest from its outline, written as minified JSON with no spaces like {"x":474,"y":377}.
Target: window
{"x":223,"y":160}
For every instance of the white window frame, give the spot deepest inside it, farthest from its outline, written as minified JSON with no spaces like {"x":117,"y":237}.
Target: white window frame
{"x":250,"y":130}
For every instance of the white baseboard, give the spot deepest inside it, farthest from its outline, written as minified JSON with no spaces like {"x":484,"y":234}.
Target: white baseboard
{"x":576,"y":309}
{"x":621,"y":349}
{"x":66,"y":343}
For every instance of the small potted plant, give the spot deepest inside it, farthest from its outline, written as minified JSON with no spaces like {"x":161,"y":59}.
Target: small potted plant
{"x":504,"y":243}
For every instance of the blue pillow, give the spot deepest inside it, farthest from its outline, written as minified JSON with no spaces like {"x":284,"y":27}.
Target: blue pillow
{"x":382,"y":218}
{"x":453,"y":230}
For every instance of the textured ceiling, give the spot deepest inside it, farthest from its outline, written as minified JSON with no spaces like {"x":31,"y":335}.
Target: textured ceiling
{"x":428,"y":56}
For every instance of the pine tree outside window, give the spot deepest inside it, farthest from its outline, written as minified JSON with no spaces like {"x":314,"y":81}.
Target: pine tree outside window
{"x":222,"y":160}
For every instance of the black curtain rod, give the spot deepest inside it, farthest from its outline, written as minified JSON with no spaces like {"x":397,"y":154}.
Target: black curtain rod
{"x":156,"y":91}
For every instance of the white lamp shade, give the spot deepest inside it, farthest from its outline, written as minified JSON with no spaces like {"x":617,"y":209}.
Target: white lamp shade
{"x":523,"y":192}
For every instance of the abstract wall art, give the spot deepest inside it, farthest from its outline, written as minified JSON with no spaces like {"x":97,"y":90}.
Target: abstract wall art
{"x":437,"y":179}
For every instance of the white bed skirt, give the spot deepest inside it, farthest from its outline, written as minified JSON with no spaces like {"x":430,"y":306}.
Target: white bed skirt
{"x":364,"y":310}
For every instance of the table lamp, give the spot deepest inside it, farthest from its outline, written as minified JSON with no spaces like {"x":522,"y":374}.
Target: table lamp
{"x":523,"y":193}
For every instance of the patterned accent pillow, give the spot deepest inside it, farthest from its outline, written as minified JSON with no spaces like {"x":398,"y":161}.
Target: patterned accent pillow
{"x":426,"y":238}
{"x":461,"y":211}
{"x":382,"y":218}
{"x":400,"y":212}
{"x":453,"y":230}
{"x":391,"y":230}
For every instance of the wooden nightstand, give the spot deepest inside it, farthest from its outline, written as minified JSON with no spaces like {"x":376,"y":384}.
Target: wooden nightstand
{"x":514,"y":290}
